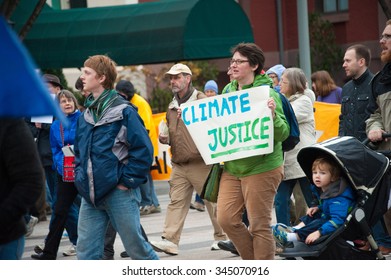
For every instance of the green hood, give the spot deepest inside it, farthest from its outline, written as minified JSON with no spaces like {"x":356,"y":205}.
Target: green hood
{"x":260,"y":80}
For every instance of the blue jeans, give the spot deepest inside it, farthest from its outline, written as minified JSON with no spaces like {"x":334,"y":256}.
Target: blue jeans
{"x":122,"y":209}
{"x":312,"y":224}
{"x":148,"y":194}
{"x":12,"y":250}
{"x":283,"y":196}
{"x":380,"y":234}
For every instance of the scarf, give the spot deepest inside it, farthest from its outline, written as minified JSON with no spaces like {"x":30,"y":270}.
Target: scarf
{"x":185,"y":97}
{"x":98,"y":107}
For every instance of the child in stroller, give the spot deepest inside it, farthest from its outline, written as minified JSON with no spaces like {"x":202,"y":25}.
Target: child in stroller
{"x":368,"y":173}
{"x":333,"y":200}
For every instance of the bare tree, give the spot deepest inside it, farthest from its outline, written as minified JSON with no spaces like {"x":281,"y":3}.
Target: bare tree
{"x":386,"y":7}
{"x":8,"y":7}
{"x":27,"y":26}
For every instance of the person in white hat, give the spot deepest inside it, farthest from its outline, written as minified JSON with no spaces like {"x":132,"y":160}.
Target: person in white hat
{"x":189,"y":171}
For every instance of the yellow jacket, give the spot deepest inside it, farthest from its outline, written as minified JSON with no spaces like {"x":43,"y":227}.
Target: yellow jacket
{"x":145,"y":112}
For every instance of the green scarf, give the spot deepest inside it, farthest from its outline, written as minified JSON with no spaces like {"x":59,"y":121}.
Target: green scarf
{"x":98,"y":107}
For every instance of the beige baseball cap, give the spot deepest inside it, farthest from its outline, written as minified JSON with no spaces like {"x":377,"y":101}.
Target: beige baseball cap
{"x":179,"y":68}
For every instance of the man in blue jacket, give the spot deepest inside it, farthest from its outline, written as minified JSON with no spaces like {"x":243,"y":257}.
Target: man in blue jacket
{"x":113,"y":157}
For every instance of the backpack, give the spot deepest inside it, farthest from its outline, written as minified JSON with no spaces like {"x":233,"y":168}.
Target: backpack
{"x":294,"y":131}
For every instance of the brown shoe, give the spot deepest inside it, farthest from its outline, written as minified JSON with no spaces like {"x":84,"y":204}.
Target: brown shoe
{"x":384,"y":250}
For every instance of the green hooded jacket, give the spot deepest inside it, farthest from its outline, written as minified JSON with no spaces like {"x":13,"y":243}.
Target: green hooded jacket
{"x":262,"y":163}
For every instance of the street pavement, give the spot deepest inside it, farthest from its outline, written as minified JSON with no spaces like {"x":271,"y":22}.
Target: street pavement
{"x":196,"y":238}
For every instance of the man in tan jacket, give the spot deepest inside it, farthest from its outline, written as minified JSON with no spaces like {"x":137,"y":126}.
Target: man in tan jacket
{"x":189,"y":171}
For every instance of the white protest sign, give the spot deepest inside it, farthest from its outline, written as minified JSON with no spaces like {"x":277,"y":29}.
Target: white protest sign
{"x":231,"y":126}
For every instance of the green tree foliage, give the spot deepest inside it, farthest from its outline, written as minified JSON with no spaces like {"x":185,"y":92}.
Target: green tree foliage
{"x":326,"y":54}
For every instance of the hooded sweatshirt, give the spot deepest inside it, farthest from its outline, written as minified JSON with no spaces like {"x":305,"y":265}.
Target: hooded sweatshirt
{"x":261,"y":163}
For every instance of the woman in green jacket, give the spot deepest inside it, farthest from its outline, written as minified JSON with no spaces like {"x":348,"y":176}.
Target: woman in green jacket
{"x":251,"y":183}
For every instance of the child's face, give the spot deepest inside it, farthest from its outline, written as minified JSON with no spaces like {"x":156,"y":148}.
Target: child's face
{"x":321,"y":176}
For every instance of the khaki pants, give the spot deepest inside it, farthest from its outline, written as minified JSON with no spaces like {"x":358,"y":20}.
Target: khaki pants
{"x":184,"y":179}
{"x":256,"y":194}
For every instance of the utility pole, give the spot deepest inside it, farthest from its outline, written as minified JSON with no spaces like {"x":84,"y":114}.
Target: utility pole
{"x":304,"y":38}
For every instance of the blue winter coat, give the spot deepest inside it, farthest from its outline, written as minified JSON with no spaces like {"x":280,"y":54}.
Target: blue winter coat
{"x":115,"y":150}
{"x":335,"y":205}
{"x":56,"y":140}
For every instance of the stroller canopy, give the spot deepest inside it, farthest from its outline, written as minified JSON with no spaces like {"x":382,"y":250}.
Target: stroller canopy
{"x":362,"y":166}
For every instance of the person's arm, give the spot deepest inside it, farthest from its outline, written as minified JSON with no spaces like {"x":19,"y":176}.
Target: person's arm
{"x":23,"y":169}
{"x":374,"y":124}
{"x":303,"y":109}
{"x":339,"y":208}
{"x":56,"y":147}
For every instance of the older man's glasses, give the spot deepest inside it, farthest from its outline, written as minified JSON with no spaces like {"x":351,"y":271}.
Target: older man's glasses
{"x":237,"y":61}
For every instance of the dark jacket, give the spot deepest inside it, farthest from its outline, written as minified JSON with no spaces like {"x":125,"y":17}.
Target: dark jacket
{"x":42,"y":136}
{"x":355,"y":99}
{"x":115,"y":150}
{"x":21,"y":177}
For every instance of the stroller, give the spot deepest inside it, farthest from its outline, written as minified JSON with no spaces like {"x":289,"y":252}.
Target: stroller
{"x":369,"y":174}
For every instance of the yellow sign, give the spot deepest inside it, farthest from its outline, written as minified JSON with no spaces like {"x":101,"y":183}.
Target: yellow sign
{"x":326,"y":120}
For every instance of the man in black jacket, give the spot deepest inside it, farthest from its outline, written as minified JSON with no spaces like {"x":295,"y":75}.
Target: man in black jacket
{"x":21,"y":178}
{"x":355,"y":93}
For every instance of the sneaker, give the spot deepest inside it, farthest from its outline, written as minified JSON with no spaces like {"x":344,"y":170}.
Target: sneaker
{"x":150,"y":209}
{"x":65,"y":234}
{"x":39,"y":248}
{"x":215,"y":246}
{"x":165,"y":246}
{"x":30,"y":225}
{"x":70,"y":252}
{"x":280,"y":235}
{"x":197,"y":206}
{"x":285,"y":228}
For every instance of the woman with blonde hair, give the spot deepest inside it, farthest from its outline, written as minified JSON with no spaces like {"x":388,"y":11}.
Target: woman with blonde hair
{"x":325,"y":88}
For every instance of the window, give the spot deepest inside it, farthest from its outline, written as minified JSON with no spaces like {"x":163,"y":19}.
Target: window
{"x":335,"y":6}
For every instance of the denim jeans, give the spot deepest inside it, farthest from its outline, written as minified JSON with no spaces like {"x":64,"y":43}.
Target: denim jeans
{"x":381,"y":235}
{"x":312,"y":224}
{"x":12,"y":250}
{"x":121,"y":208}
{"x":110,"y":237}
{"x":283,"y":196}
{"x":148,"y":194}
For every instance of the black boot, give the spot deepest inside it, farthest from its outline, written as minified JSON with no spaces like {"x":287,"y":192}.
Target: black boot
{"x":42,"y":256}
{"x":228,"y":246}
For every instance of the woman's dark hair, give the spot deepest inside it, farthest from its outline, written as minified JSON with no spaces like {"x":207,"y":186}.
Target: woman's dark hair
{"x":253,"y":53}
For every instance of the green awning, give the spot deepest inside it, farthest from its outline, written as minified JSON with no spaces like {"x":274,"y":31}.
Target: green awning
{"x":153,"y":32}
